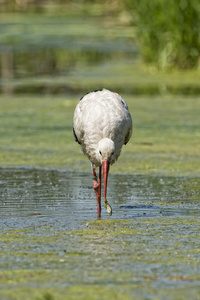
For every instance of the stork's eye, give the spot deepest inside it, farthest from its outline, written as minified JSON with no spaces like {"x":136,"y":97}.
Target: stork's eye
{"x":112,"y":152}
{"x":100,"y":153}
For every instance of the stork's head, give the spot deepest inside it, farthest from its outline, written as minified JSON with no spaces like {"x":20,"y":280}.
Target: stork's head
{"x":106,"y":149}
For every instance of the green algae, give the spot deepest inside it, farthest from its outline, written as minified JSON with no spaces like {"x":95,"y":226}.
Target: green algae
{"x":119,"y":259}
{"x":37,"y":131}
{"x":83,"y":292}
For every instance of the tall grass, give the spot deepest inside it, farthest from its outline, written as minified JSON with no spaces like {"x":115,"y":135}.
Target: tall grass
{"x":168,"y":31}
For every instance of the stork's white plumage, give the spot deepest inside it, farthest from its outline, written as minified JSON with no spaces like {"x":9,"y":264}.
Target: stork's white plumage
{"x":102,"y":124}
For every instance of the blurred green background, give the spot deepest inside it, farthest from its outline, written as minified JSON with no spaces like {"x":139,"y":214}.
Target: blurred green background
{"x":53,"y":52}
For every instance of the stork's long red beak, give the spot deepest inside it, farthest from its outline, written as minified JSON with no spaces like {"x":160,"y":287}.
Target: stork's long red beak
{"x":106,"y":166}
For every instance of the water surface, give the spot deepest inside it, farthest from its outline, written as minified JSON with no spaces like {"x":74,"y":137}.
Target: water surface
{"x":50,"y":196}
{"x":52,"y":244}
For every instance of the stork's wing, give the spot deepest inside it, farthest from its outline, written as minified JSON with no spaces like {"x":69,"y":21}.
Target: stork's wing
{"x":128,"y":136}
{"x":129,"y":129}
{"x":77,"y":124}
{"x":75,"y":136}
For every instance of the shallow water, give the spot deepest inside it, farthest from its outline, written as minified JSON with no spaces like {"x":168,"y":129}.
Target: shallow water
{"x":67,"y":199}
{"x":51,"y":241}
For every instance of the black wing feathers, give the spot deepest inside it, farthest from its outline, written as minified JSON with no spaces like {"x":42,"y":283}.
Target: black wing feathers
{"x":75,"y":136}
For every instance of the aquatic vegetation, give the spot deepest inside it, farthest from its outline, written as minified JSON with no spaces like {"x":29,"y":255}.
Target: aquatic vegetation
{"x":37,"y":131}
{"x":118,"y":258}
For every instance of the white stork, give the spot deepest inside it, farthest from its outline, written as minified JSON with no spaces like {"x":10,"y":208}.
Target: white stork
{"x":102,"y":124}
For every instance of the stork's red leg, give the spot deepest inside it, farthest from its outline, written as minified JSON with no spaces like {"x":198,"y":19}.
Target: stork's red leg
{"x":99,"y":194}
{"x":97,"y":189}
